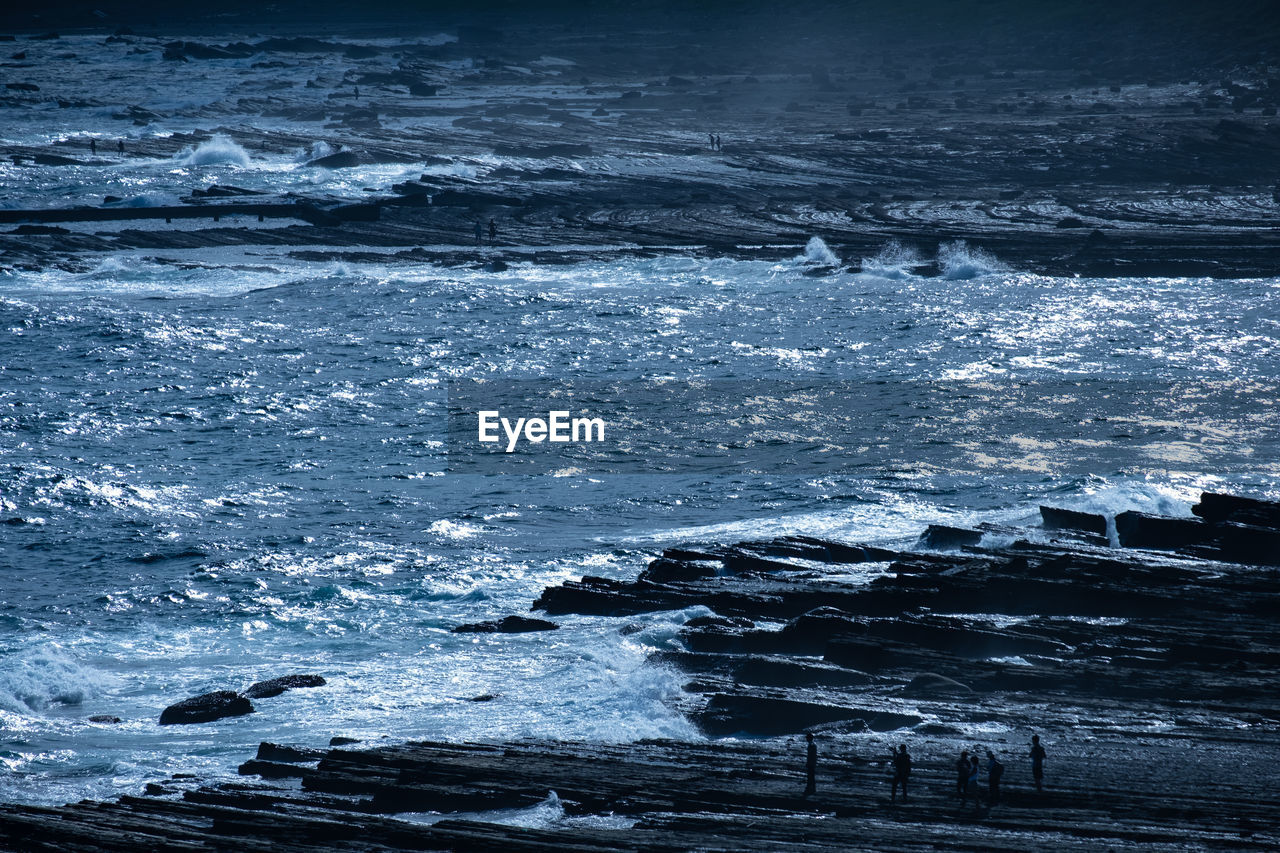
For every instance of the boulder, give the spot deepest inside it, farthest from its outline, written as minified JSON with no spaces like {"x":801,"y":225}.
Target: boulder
{"x":105,"y":718}
{"x":507,"y":625}
{"x":276,"y":686}
{"x":339,"y":740}
{"x":206,"y":708}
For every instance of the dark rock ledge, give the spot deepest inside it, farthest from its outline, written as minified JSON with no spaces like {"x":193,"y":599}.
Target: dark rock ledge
{"x":1150,"y":673}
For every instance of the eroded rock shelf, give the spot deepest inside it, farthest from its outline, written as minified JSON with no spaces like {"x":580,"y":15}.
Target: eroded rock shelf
{"x":1151,"y":675}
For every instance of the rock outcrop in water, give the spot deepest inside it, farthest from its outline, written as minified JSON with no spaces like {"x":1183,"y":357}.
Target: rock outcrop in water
{"x":206,"y":708}
{"x":276,"y":686}
{"x":1152,"y":676}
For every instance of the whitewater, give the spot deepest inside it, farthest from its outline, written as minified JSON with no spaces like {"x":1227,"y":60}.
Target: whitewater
{"x":215,"y":478}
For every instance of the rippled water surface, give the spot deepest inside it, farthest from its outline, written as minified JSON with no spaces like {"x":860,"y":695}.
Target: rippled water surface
{"x":221,"y":473}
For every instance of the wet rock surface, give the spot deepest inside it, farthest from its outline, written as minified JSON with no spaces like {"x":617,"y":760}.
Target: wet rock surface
{"x":1151,"y":677}
{"x":1058,"y":152}
{"x":276,"y":686}
{"x":206,"y":708}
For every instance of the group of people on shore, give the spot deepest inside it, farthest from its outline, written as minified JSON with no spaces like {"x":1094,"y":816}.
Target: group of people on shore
{"x":968,"y":770}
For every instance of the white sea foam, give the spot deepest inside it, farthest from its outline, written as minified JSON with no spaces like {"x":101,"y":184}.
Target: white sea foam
{"x":218,"y":150}
{"x":817,"y":253}
{"x":894,"y":260}
{"x":959,"y":261}
{"x":40,"y":678}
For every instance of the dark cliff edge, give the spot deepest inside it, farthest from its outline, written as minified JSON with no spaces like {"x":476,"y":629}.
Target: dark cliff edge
{"x":1152,"y":675}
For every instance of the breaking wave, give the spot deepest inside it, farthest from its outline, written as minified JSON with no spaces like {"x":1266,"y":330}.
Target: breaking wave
{"x":36,"y":680}
{"x":817,"y":253}
{"x":958,"y":261}
{"x":216,"y":151}
{"x":894,"y":260}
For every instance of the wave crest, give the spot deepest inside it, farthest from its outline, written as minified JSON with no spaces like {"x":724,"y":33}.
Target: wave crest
{"x":218,"y":150}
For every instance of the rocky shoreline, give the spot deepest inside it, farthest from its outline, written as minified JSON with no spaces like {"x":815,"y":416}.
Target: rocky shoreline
{"x":1150,"y":672}
{"x":1058,"y":159}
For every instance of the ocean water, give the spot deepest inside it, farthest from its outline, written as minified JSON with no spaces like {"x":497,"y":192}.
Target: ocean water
{"x":227,"y":465}
{"x":214,"y":476}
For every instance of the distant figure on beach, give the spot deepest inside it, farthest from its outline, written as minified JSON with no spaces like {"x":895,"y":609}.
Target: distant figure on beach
{"x":901,"y":772}
{"x":962,"y":773}
{"x":93,"y":146}
{"x":493,"y":230}
{"x":1037,"y":762}
{"x":718,"y":146}
{"x":120,"y":146}
{"x":994,"y":771}
{"x":711,"y":141}
{"x":811,"y":766}
{"x":971,"y":783}
{"x":479,"y":234}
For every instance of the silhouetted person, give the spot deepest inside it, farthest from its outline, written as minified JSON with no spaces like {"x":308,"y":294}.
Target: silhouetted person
{"x":1037,"y":762}
{"x":357,"y":93}
{"x":811,"y":766}
{"x":719,"y":147}
{"x":120,"y":146}
{"x":901,"y":772}
{"x":493,"y":230}
{"x":994,"y":771}
{"x":711,"y":141}
{"x":971,"y":783}
{"x":962,"y":773}
{"x":93,"y":146}
{"x":479,"y":233}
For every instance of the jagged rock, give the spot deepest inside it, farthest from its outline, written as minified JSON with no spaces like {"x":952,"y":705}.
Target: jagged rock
{"x":1216,"y":508}
{"x":507,"y":625}
{"x":1070,"y":519}
{"x":288,"y":754}
{"x":222,"y":191}
{"x":105,"y":718}
{"x":943,"y":537}
{"x":55,"y":160}
{"x":757,"y":714}
{"x":338,"y":160}
{"x":714,"y":621}
{"x":457,"y":198}
{"x":276,"y":686}
{"x":206,"y":707}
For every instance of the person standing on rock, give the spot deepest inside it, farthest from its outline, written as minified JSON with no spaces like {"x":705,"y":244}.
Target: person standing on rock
{"x":1037,"y":762}
{"x":711,"y":141}
{"x":719,"y":147}
{"x":479,"y":234}
{"x":901,"y":773}
{"x":971,"y":783}
{"x":811,"y":766}
{"x":994,"y":771}
{"x":93,"y":146}
{"x":962,"y":774}
{"x":493,"y":231}
{"x":120,"y":146}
